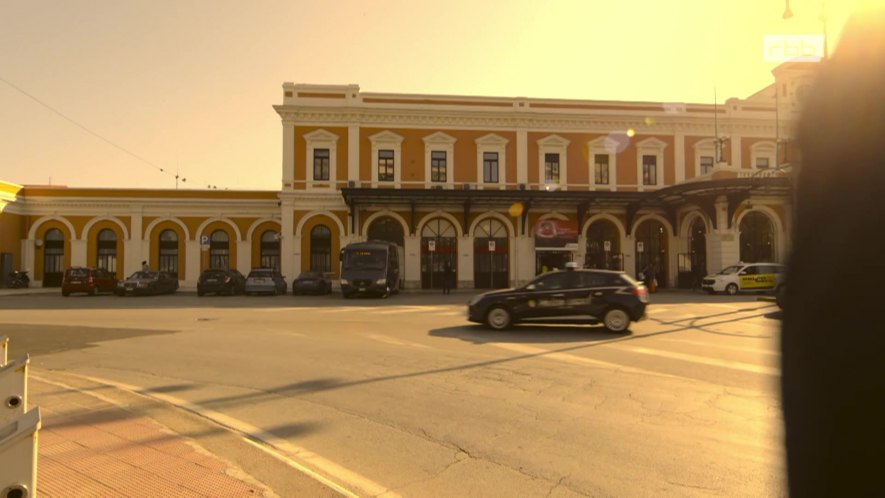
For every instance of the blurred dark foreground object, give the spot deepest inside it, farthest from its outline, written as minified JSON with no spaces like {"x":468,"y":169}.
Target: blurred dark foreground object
{"x":834,"y":319}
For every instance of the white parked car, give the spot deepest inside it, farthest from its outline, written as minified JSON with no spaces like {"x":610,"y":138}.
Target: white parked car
{"x":744,"y":277}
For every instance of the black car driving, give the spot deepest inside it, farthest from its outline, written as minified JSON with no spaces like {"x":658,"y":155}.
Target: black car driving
{"x":568,"y":296}
{"x":147,"y":282}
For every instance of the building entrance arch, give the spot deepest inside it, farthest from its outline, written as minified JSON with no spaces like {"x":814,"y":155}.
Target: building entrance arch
{"x":491,"y":255}
{"x":604,"y":246}
{"x":652,"y":253}
{"x":387,"y":228}
{"x":757,"y":238}
{"x":439,"y":245}
{"x":53,"y":257}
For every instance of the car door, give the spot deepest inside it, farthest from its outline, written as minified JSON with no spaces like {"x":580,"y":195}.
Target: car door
{"x":546,"y":297}
{"x":592,"y":295}
{"x":747,"y":278}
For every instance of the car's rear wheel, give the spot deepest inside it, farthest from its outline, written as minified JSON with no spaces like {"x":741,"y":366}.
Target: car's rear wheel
{"x":499,"y":318}
{"x":731,"y":289}
{"x":616,"y":320}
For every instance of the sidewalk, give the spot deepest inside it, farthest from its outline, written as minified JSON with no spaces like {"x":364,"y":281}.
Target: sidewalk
{"x":90,"y":447}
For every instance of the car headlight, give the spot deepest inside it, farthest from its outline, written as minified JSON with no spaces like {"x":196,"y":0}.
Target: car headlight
{"x":344,"y":281}
{"x":473,"y":301}
{"x":381,"y":281}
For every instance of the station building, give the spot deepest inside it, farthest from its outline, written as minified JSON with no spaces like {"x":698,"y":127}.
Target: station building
{"x":501,"y":188}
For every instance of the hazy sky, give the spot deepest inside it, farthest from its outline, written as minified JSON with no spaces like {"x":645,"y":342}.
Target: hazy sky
{"x":190,"y":83}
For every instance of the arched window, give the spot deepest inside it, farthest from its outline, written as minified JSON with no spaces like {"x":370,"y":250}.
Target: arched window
{"x":219,"y":250}
{"x":387,"y":228}
{"x":107,"y":250}
{"x":169,"y":252}
{"x":757,"y":238}
{"x":270,"y":249}
{"x":321,"y":249}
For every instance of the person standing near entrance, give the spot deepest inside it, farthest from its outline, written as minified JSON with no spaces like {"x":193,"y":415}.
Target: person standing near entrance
{"x":145,"y":266}
{"x":447,"y":275}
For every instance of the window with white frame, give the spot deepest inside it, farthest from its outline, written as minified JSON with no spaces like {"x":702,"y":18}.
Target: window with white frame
{"x":490,"y":167}
{"x":321,"y":164}
{"x":438,"y":166}
{"x":649,"y":169}
{"x":552,"y":159}
{"x":439,"y":156}
{"x":386,"y":158}
{"x":385,"y":165}
{"x":603,"y":162}
{"x":707,"y":164}
{"x":491,"y":160}
{"x":321,"y":150}
{"x":600,"y":169}
{"x":704,"y":156}
{"x":650,"y":162}
{"x":762,"y":155}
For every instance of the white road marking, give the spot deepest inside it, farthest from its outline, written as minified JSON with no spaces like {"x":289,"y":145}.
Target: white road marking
{"x":735,"y":365}
{"x":307,"y":461}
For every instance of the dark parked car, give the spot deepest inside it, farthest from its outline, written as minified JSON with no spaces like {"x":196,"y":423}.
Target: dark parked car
{"x":221,"y":281}
{"x":567,"y":296}
{"x":266,"y":281}
{"x":147,"y":282}
{"x":312,"y":282}
{"x":88,"y":280}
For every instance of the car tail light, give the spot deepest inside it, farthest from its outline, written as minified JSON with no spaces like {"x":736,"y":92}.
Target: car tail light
{"x":226,"y":280}
{"x":641,"y":292}
{"x":89,"y":280}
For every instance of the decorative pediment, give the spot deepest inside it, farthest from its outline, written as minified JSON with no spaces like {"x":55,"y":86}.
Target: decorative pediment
{"x":651,"y":143}
{"x":706,"y":144}
{"x":491,"y":139}
{"x":607,"y":143}
{"x":440,"y":138}
{"x":763,"y":147}
{"x":321,"y":136}
{"x":553,"y":141}
{"x":386,"y":137}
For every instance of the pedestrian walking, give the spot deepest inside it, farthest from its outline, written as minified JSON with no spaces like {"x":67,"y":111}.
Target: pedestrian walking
{"x":447,"y":274}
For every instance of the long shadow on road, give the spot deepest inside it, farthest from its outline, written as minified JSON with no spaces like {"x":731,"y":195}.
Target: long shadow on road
{"x":37,"y":340}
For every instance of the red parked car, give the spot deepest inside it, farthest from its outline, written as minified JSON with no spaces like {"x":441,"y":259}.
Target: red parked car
{"x":88,"y":280}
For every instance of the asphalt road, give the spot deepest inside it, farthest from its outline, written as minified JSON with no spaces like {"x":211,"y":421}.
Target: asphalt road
{"x":405,"y":397}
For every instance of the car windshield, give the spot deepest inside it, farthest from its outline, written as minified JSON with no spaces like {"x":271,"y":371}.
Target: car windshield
{"x":214,"y":274}
{"x":142,"y":275}
{"x":731,"y":270}
{"x":78,"y":272}
{"x":261,"y":274}
{"x":365,"y":259}
{"x":309,"y":275}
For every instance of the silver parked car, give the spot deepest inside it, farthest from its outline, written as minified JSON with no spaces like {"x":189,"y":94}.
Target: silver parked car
{"x":265,"y":281}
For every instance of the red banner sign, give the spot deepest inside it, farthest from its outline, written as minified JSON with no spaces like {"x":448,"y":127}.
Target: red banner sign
{"x":556,"y":233}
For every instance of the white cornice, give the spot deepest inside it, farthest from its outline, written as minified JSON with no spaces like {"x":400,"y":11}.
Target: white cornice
{"x":598,"y":122}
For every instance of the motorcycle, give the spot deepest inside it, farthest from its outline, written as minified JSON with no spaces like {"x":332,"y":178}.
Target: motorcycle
{"x":19,"y":279}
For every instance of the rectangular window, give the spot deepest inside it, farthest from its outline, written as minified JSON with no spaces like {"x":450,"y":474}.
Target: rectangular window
{"x":438,"y":166}
{"x":649,"y":170}
{"x":321,"y":164}
{"x":601,"y":169}
{"x":385,"y":165}
{"x":706,"y":164}
{"x":762,"y":162}
{"x":551,"y":168}
{"x":490,"y":167}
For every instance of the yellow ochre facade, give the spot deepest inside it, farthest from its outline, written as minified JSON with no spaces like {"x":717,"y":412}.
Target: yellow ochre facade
{"x":499,"y":188}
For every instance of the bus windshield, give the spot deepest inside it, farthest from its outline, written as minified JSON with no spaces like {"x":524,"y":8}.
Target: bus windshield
{"x":365,"y":259}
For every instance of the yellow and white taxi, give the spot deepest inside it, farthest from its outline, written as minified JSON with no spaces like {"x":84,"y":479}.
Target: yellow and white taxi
{"x":745,"y":277}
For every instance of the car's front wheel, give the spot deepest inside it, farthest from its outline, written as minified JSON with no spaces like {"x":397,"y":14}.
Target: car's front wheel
{"x":731,"y":289}
{"x":499,"y":318}
{"x":616,"y":320}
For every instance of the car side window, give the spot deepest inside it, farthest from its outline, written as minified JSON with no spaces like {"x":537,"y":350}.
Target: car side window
{"x":750,"y":270}
{"x":589,"y":279}
{"x":555,"y":281}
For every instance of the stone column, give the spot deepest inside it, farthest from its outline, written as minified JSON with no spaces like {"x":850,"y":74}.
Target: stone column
{"x":413,"y":261}
{"x":290,"y":262}
{"x":353,"y":153}
{"x":288,"y":153}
